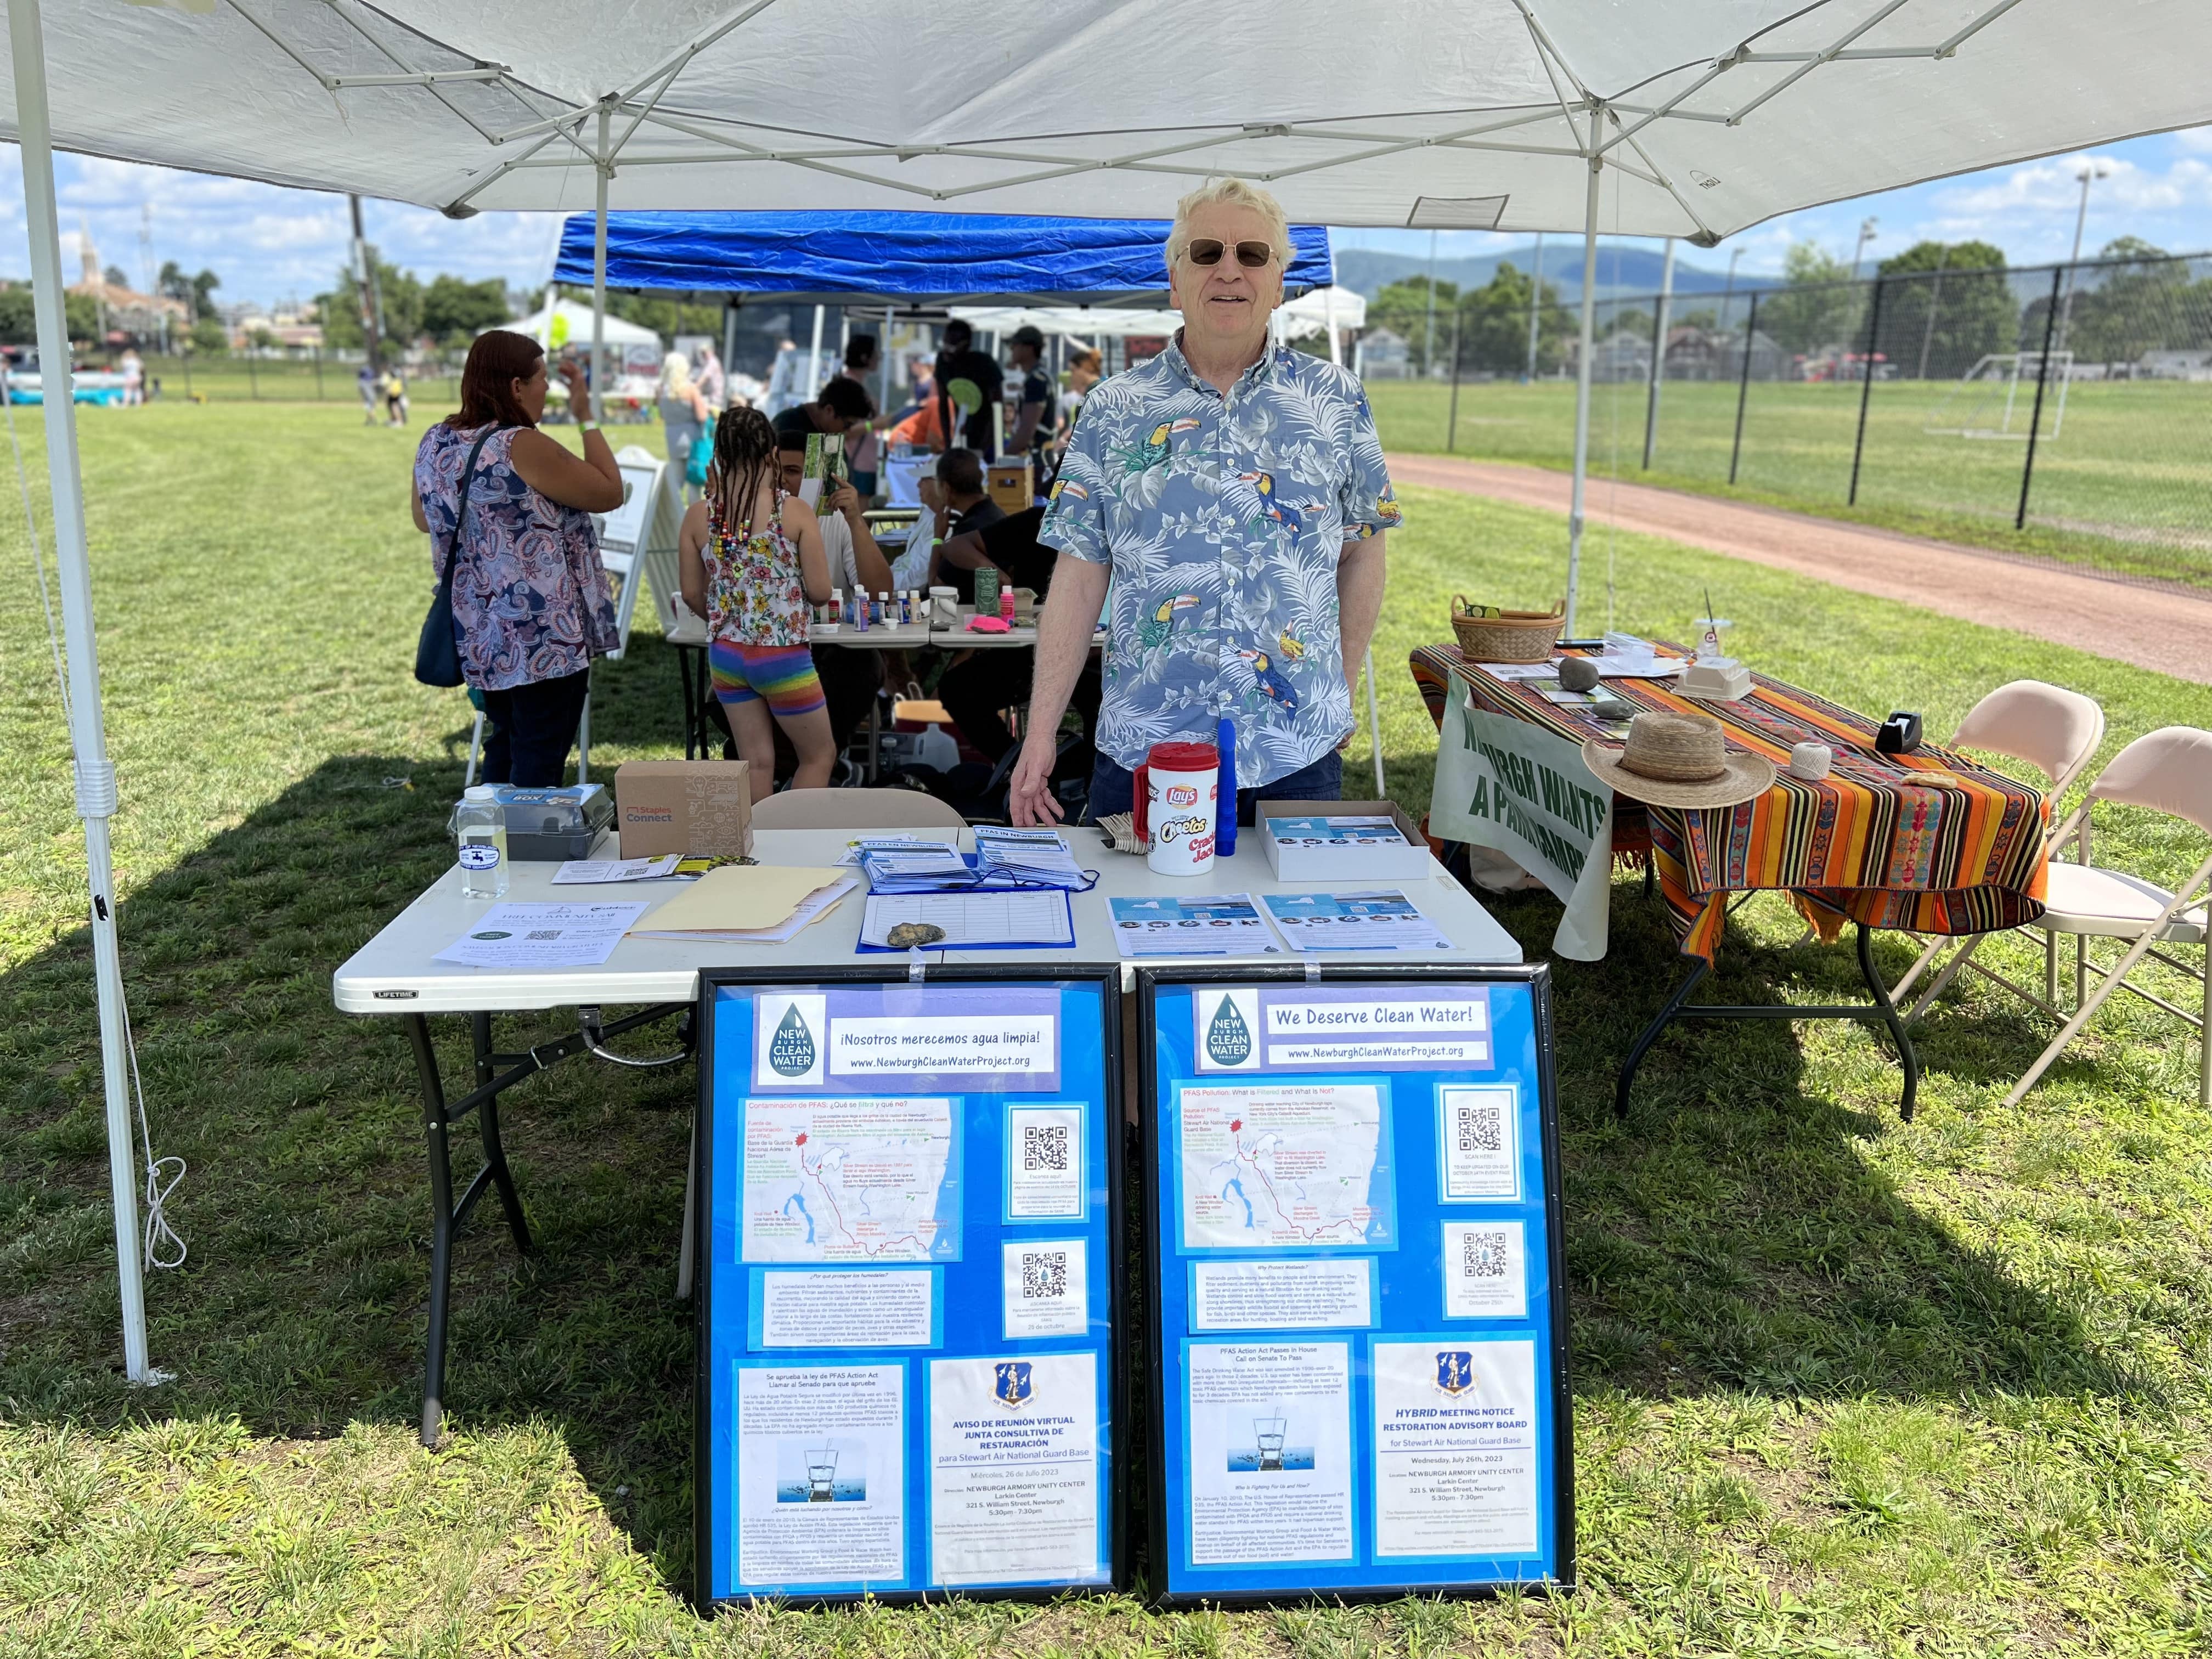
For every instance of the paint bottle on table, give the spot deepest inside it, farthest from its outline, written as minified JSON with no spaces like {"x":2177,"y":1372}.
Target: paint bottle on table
{"x":481,"y":828}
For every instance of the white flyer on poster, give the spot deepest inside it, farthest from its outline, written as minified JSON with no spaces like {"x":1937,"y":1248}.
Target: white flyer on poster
{"x":1328,"y":1294}
{"x":820,"y":1475}
{"x":1013,"y":1480}
{"x":853,"y":1309}
{"x":1480,"y":1124}
{"x":1270,"y":1465}
{"x":1486,"y":1270}
{"x":1046,"y":1289}
{"x":1045,"y":1162}
{"x":1454,"y":1448}
{"x":859,"y":1181}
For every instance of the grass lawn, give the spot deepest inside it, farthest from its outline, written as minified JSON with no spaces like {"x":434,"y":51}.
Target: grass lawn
{"x":1842,"y":1386}
{"x":2126,"y":485}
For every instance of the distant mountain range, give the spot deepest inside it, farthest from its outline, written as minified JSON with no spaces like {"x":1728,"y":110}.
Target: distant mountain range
{"x":1621,"y":269}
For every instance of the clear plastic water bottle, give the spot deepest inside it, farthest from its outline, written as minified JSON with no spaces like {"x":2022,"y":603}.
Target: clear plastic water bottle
{"x":481,"y":824}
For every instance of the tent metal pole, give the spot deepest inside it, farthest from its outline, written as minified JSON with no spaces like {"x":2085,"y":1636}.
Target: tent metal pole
{"x":814,"y":360}
{"x":1583,"y":375}
{"x":95,"y":773}
{"x":1658,"y":352}
{"x":1328,"y":321}
{"x":599,"y":397}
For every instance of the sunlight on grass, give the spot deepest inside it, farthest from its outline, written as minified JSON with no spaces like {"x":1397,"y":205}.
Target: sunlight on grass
{"x":1843,"y":1385}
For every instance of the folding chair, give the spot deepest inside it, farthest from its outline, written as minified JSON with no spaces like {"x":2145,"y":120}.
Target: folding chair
{"x":2048,"y":727}
{"x":2168,"y":771}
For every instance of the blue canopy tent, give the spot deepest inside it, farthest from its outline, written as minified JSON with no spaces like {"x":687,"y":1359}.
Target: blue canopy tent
{"x":915,"y":259}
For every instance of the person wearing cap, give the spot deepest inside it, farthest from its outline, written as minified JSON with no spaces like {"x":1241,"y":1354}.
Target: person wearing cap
{"x":1237,"y":495}
{"x":1030,"y":431}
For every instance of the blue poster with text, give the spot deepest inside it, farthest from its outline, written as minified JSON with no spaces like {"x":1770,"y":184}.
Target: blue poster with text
{"x":909,"y":1288}
{"x":1354,"y":1313}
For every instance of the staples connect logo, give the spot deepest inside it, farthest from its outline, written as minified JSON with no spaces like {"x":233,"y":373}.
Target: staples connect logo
{"x":650,"y":815}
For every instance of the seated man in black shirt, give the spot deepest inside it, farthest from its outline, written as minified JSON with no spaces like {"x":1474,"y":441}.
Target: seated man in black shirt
{"x":974,"y":691}
{"x":967,"y":508}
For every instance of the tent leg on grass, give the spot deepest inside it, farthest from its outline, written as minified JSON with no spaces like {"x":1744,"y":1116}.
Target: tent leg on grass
{"x":1583,"y":375}
{"x":95,"y":773}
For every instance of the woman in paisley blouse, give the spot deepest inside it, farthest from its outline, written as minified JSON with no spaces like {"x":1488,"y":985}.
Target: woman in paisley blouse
{"x":530,"y":602}
{"x":750,"y":559}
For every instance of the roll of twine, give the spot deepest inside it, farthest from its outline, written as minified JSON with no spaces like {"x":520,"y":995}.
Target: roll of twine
{"x":1674,"y":747}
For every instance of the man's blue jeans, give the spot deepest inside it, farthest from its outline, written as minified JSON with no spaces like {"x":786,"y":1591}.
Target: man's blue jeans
{"x":1113,"y":788}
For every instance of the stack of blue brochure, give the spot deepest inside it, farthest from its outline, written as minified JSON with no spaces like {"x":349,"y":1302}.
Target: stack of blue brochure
{"x":1004,"y":861}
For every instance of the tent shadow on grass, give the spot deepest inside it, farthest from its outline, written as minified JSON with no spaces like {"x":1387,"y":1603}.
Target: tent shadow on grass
{"x":1728,"y":1236}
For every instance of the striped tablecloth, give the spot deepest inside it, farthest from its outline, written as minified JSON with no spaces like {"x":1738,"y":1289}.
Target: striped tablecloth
{"x":1928,"y":841}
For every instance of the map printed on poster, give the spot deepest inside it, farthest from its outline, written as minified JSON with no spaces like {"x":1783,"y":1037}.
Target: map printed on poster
{"x":1280,"y":1166}
{"x":920,"y":1038}
{"x":850,"y":1181}
{"x":1253,"y":1028}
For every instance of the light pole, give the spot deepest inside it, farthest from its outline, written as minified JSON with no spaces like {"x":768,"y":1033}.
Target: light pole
{"x":2087,"y":172}
{"x":1535,"y":298}
{"x":1867,"y":234}
{"x":1429,"y":334}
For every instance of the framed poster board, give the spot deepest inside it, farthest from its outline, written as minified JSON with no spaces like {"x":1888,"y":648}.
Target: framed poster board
{"x":1354,"y":1273}
{"x":910,"y":1245}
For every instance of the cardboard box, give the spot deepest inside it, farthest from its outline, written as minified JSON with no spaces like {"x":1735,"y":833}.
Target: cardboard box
{"x":1357,"y":864}
{"x":1008,"y":484}
{"x":703,"y":807}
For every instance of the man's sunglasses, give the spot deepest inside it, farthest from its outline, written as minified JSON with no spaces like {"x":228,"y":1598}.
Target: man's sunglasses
{"x":1208,"y":250}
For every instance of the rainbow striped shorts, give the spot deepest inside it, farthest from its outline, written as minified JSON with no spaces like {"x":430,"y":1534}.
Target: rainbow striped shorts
{"x":782,"y":676}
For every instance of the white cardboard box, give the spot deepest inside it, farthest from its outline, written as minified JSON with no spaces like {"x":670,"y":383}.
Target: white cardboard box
{"x":1359,"y":863}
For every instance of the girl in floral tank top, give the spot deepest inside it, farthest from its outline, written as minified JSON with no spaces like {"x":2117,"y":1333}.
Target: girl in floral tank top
{"x":752,"y":563}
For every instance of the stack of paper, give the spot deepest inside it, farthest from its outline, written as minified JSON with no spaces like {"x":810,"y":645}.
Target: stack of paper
{"x":593,"y":872}
{"x":925,"y":869}
{"x":1035,"y":858}
{"x":859,"y":848}
{"x":749,"y":903}
{"x":1221,"y":924}
{"x":537,"y":935}
{"x":1336,"y":832}
{"x":1380,"y":918}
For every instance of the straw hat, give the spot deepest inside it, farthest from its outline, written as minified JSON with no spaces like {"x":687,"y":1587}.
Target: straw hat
{"x":1678,"y":760}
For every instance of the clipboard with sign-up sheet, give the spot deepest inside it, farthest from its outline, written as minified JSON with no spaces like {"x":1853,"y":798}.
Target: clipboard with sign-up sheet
{"x":910,"y":1350}
{"x":1354,"y":1284}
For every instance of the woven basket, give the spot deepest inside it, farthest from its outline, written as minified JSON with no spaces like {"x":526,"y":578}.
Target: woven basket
{"x":1487,"y":634}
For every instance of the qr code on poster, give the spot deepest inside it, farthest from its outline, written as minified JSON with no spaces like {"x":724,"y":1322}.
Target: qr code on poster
{"x":1044,"y":1146}
{"x":1482,"y":1253}
{"x":544,"y":933}
{"x":1044,"y":1276}
{"x":1481,"y":1129}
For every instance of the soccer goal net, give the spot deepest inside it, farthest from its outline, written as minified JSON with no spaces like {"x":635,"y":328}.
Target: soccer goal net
{"x":1996,"y":399}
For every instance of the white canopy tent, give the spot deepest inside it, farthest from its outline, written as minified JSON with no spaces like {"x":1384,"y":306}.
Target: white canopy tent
{"x":1693,"y":118}
{"x":564,"y":322}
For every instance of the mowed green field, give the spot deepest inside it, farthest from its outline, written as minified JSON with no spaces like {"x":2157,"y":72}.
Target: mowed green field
{"x":1842,"y":1385}
{"x":2125,"y":484}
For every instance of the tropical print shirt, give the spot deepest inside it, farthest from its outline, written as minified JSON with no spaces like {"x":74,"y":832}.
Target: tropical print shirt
{"x":1223,"y":519}
{"x":531,"y":600}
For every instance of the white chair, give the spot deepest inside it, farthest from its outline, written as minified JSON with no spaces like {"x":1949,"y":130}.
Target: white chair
{"x":2048,"y":727}
{"x":2168,"y":771}
{"x":855,"y":809}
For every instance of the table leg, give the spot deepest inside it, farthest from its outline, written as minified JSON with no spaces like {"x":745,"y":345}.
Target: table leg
{"x":1699,"y":968}
{"x":1907,"y":1056}
{"x":441,"y":1224}
{"x":1679,"y":1007}
{"x":875,"y":735}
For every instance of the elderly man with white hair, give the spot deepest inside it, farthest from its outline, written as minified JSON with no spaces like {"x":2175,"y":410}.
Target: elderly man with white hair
{"x":1234,"y":492}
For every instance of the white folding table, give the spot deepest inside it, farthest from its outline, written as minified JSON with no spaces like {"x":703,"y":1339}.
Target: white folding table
{"x":394,"y":973}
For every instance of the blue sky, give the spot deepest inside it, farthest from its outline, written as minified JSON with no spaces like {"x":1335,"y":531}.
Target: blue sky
{"x":270,"y":244}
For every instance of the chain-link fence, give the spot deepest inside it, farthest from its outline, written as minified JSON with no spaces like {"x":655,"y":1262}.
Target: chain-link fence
{"x":276,"y":375}
{"x":2061,"y":410}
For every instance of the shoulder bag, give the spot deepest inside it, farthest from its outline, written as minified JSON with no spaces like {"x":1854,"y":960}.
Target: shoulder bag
{"x":438,"y":652}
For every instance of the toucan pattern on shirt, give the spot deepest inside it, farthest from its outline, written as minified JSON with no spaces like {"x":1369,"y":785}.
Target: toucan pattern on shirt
{"x":1223,"y":519}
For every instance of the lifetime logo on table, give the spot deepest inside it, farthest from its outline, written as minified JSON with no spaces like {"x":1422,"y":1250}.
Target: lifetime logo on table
{"x":1248,"y":1028}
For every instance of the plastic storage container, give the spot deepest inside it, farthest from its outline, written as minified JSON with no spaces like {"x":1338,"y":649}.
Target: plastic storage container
{"x":546,"y":826}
